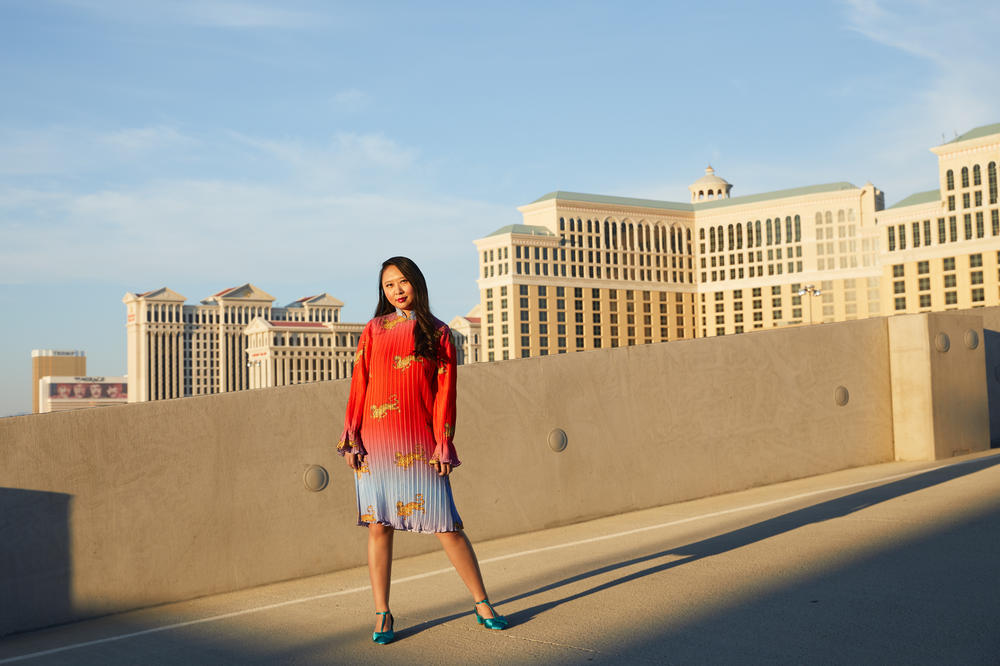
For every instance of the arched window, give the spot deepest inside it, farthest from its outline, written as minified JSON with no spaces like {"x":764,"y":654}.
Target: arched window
{"x":673,"y":239}
{"x":739,"y":236}
{"x":719,"y":233}
{"x":656,"y":237}
{"x":770,"y":235}
{"x":730,"y":237}
{"x":647,"y":238}
{"x":977,"y":176}
{"x":949,"y":177}
{"x":562,"y":224}
{"x":777,"y":230}
{"x":829,"y":217}
{"x":607,"y":235}
{"x":798,"y":229}
{"x":688,"y":242}
{"x":711,"y":236}
{"x":614,"y":235}
{"x":991,"y":176}
{"x":788,"y":229}
{"x":639,"y":229}
{"x":756,"y":232}
{"x":631,"y":237}
{"x":841,"y":217}
{"x":965,"y":176}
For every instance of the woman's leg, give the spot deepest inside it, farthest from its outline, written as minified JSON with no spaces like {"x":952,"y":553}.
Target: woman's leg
{"x":380,"y":568}
{"x":463,"y":558}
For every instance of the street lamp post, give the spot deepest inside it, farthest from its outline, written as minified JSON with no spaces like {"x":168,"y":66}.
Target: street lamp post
{"x":811,"y":290}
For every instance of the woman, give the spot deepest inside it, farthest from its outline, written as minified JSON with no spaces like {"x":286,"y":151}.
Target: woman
{"x":398,"y":437}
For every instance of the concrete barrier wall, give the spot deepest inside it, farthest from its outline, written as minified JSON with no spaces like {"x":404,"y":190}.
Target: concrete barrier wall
{"x":156,"y":502}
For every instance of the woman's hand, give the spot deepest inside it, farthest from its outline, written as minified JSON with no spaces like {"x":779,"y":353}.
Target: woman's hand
{"x":354,"y":460}
{"x":443,"y":469}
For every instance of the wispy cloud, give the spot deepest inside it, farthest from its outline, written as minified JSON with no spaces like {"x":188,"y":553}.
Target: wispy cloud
{"x":957,"y":43}
{"x":351,"y":100}
{"x":227,"y":14}
{"x":320,"y":214}
{"x":65,"y":150}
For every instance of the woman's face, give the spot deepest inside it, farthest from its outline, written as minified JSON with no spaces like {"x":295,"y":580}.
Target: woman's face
{"x":397,"y":288}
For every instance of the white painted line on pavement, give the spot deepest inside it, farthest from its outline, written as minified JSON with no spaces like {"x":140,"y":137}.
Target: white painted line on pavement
{"x":499,"y":558}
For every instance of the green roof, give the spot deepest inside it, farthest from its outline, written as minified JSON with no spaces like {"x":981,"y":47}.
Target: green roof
{"x":701,"y":205}
{"x":776,"y":194}
{"x":526,"y":229}
{"x":619,"y":201}
{"x":985,"y":130}
{"x":918,"y":198}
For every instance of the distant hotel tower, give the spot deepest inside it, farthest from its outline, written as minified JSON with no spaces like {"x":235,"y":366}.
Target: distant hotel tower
{"x":587,"y":271}
{"x":53,"y":362}
{"x":233,"y":340}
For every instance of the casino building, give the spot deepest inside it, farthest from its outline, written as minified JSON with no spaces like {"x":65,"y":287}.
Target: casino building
{"x":589,"y":271}
{"x":233,"y":340}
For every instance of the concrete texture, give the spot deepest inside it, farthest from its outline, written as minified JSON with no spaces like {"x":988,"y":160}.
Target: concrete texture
{"x":157,"y":502}
{"x":892,"y":563}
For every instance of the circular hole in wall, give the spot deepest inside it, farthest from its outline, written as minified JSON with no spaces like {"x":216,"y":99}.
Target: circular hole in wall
{"x":558,"y":440}
{"x":971,"y":339}
{"x":942,"y":342}
{"x":841,"y":395}
{"x":315,"y":478}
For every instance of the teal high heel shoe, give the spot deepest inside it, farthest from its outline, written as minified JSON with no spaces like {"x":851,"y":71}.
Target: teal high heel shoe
{"x":384,"y":637}
{"x":498,"y":621}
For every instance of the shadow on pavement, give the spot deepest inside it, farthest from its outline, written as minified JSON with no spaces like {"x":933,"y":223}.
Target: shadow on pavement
{"x":745,"y":536}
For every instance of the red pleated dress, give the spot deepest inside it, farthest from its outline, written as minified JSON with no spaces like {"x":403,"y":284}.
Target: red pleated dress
{"x":401,"y":415}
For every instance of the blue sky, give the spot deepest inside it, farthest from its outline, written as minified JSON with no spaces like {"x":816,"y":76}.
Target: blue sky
{"x":294,"y":145}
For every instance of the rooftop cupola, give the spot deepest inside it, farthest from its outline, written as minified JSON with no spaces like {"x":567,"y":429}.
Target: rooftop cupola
{"x":709,"y":187}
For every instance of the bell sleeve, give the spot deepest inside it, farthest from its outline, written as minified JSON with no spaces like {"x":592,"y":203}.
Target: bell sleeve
{"x":350,"y":440}
{"x":444,"y":402}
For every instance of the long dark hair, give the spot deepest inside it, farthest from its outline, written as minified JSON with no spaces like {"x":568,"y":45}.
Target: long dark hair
{"x":425,"y":332}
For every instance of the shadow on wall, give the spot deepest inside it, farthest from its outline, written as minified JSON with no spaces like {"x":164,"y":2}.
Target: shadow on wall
{"x":991,"y":346}
{"x":34,"y":548}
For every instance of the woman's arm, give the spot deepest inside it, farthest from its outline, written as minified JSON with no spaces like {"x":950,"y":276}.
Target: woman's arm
{"x":350,"y":440}
{"x":444,"y":402}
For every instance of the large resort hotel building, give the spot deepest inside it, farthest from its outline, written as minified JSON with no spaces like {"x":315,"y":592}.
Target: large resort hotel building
{"x":233,"y":340}
{"x":588,"y":271}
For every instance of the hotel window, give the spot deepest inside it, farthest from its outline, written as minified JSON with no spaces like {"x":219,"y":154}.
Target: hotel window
{"x":991,"y":175}
{"x":923,"y":267}
{"x":950,"y":281}
{"x":995,"y":221}
{"x":916,"y":234}
{"x":978,"y":295}
{"x":925,"y":300}
{"x":965,"y":200}
{"x":892,"y":238}
{"x":901,"y":303}
{"x":977,"y":176}
{"x":899,"y":287}
{"x":902,"y":237}
{"x":976,"y":277}
{"x":952,"y":228}
{"x":950,"y":297}
{"x":965,"y":176}
{"x":979,"y":197}
{"x":980,"y":230}
{"x":951,"y":202}
{"x":950,"y":179}
{"x":924,"y":284}
{"x":975,"y":260}
{"x":941,"y":231}
{"x":897,"y":270}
